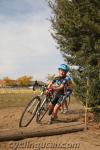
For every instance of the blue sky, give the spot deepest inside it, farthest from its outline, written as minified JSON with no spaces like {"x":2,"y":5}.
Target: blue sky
{"x":26,"y":45}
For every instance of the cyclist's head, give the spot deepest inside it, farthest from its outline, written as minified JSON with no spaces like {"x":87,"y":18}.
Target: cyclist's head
{"x":63,"y":69}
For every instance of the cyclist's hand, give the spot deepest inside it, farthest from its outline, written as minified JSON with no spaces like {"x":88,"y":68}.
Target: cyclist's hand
{"x":49,"y":91}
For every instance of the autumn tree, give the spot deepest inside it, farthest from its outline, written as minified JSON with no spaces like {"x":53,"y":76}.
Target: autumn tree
{"x":8,"y":81}
{"x":24,"y":81}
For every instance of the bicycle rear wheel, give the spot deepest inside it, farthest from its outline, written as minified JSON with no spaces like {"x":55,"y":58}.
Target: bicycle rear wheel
{"x":42,"y":110}
{"x":29,"y":112}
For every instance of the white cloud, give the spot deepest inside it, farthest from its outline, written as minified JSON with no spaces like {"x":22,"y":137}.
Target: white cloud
{"x":26,"y":47}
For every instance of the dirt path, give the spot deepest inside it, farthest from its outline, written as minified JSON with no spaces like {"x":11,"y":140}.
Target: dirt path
{"x":90,"y":139}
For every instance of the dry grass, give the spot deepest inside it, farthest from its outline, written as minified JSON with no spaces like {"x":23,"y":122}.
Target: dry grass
{"x":15,"y":97}
{"x":15,"y":91}
{"x":19,"y":97}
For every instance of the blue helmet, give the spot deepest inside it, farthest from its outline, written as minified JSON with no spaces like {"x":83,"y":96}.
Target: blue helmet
{"x":64,"y":67}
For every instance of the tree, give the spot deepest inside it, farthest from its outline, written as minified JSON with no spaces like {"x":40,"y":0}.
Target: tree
{"x":24,"y":81}
{"x":76,"y":29}
{"x":8,"y":81}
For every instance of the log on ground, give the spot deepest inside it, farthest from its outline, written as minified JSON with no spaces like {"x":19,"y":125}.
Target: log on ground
{"x":23,"y":133}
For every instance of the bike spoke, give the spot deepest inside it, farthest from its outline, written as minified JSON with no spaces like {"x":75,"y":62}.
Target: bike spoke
{"x":42,"y":110}
{"x":29,"y":112}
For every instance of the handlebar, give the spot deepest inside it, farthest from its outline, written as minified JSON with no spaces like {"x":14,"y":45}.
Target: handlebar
{"x":45,"y":90}
{"x":42,"y":87}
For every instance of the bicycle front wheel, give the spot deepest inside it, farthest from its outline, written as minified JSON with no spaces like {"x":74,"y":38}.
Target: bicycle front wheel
{"x":29,"y":112}
{"x":42,"y":110}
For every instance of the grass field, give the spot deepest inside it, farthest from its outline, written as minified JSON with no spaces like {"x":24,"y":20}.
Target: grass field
{"x":18,"y":97}
{"x":15,"y":90}
{"x":15,"y":97}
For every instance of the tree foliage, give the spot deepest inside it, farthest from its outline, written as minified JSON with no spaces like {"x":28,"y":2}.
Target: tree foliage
{"x":76,"y":29}
{"x":24,"y":80}
{"x":8,"y":82}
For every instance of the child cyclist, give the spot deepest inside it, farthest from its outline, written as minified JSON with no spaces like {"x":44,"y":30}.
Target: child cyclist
{"x":58,"y":87}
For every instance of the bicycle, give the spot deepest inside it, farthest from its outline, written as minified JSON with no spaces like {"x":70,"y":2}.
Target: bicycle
{"x":38,"y":107}
{"x":44,"y":105}
{"x":33,"y":108}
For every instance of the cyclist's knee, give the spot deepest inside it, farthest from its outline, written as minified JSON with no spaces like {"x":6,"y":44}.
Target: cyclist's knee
{"x":56,"y":108}
{"x":50,"y":105}
{"x":50,"y":112}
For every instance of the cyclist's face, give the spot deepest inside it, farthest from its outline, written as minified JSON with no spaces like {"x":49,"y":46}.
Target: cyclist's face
{"x":62,"y":73}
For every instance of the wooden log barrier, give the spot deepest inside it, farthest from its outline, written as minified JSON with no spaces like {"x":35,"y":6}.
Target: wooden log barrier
{"x":23,"y":133}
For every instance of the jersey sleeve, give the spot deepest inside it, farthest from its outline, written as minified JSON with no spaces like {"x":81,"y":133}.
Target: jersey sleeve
{"x":54,"y":80}
{"x":68,"y":78}
{"x":64,"y":81}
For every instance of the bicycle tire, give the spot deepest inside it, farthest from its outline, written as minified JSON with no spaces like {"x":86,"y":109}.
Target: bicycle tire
{"x":42,"y":111}
{"x":35,"y":103}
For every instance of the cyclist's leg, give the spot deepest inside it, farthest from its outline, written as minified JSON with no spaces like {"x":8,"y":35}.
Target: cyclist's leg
{"x":63,"y":103}
{"x":57,"y":106}
{"x":50,"y":107}
{"x":52,"y":104}
{"x":66,"y":104}
{"x":62,"y":107}
{"x":68,"y":93}
{"x":55,"y":111}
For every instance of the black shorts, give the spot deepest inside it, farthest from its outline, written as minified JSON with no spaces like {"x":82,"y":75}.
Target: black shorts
{"x":58,"y":98}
